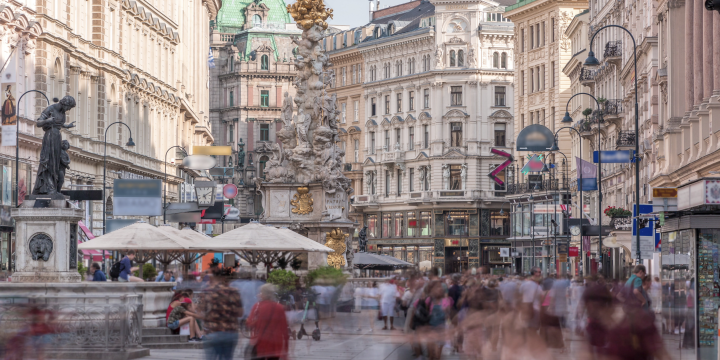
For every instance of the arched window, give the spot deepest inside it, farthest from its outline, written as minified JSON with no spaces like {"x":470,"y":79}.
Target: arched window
{"x":257,"y":21}
{"x":503,"y":61}
{"x":495,"y":60}
{"x":264,"y":62}
{"x":378,"y":32}
{"x":452,"y":57}
{"x":461,"y":58}
{"x":391,"y":29}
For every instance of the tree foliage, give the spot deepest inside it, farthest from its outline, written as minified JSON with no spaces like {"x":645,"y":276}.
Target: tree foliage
{"x":283,"y":279}
{"x":327,"y":275}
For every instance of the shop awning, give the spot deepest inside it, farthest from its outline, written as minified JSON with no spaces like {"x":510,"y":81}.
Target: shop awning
{"x":93,"y":255}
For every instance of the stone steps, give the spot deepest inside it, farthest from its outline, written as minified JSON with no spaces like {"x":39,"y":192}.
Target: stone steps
{"x":162,"y":338}
{"x":179,"y":346}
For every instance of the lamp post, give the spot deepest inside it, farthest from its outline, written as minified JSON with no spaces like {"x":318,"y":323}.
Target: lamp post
{"x":568,"y":119}
{"x":555,"y":148}
{"x":593,"y":61}
{"x":165,"y":193}
{"x":17,"y":144}
{"x":130,"y":143}
{"x":555,"y":225}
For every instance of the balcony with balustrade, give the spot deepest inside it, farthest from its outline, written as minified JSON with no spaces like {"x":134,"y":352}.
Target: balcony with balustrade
{"x":613,"y":52}
{"x":625,"y":140}
{"x":612,"y":109}
{"x":587,"y":77}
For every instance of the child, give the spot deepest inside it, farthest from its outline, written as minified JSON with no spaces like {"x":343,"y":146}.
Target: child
{"x":64,"y":163}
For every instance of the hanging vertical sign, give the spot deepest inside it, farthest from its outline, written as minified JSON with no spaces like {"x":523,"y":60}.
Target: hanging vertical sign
{"x":8,"y":115}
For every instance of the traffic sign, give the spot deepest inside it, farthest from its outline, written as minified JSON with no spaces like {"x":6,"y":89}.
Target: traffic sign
{"x":230,"y":191}
{"x":665,"y":192}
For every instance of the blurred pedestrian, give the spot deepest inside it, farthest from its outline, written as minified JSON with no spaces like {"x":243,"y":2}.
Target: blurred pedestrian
{"x":633,"y":294}
{"x":270,"y":338}
{"x":126,"y":268}
{"x":223,"y":309}
{"x":656,"y":295}
{"x":98,"y":275}
{"x":388,"y":298}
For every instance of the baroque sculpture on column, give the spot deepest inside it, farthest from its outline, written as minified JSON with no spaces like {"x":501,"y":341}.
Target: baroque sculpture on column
{"x":304,"y":180}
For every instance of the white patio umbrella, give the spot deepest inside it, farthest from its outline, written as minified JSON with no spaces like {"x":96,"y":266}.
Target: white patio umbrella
{"x":258,"y":237}
{"x":257,"y":243}
{"x":425,"y":265}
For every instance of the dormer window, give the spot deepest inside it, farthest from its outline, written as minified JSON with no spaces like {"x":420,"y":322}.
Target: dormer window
{"x":264,"y":62}
{"x":257,"y":21}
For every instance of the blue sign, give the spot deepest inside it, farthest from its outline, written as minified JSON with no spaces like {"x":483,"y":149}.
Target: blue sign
{"x":614,"y":157}
{"x":648,"y":230}
{"x":588,"y":184}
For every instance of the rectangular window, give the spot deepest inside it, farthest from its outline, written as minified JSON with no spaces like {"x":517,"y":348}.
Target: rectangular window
{"x":399,"y":102}
{"x":522,"y":82}
{"x":399,"y":182}
{"x":412,"y":180}
{"x":343,"y":71}
{"x":371,"y":221}
{"x":359,"y":70}
{"x":264,"y":132}
{"x":398,"y":225}
{"x":499,"y":96}
{"x":522,"y":40}
{"x":532,"y":37}
{"x":387,"y":104}
{"x":372,"y":107}
{"x":552,"y":29}
{"x":537,"y":35}
{"x":398,"y":133}
{"x":354,"y":74}
{"x":552,"y":74}
{"x":426,"y":179}
{"x":232,"y":98}
{"x":264,"y":98}
{"x":532,"y":81}
{"x":457,"y":223}
{"x":356,"y":150}
{"x":543,"y":34}
{"x":344,"y":113}
{"x":356,"y":110}
{"x":456,"y":96}
{"x":386,"y":224}
{"x":455,"y":177}
{"x":426,"y":137}
{"x":425,"y":223}
{"x":542,"y":77}
{"x":426,"y":99}
{"x":387,"y":139}
{"x":456,"y":134}
{"x":499,"y":134}
{"x":411,"y":138}
{"x":372,"y":142}
{"x":387,"y":183}
{"x":412,"y":224}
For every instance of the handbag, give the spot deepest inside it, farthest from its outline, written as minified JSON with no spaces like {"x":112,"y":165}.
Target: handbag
{"x":250,"y":351}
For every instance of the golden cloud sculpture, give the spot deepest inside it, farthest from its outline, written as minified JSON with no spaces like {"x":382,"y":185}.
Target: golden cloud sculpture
{"x":308,"y":13}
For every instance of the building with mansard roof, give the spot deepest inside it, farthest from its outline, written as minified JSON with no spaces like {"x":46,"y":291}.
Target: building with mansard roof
{"x":435,"y":81}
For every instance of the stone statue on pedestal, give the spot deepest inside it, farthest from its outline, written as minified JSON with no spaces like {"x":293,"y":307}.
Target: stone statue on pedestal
{"x":51,"y":166}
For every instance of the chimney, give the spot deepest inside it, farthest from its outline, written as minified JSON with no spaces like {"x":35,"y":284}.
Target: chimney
{"x":372,"y":9}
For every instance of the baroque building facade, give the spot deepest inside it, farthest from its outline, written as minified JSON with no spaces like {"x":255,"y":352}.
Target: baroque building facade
{"x":142,"y":63}
{"x":253,"y":50}
{"x":542,"y":91}
{"x":437,"y":89}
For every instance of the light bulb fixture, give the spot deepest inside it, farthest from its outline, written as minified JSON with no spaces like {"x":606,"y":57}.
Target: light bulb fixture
{"x":130,"y":143}
{"x":591,"y":60}
{"x":567,"y":118}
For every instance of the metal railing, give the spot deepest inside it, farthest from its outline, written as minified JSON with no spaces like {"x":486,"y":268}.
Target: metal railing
{"x":612,"y":107}
{"x":100,"y":323}
{"x":626,"y":138}
{"x":538,"y":186}
{"x":587,"y":75}
{"x":613,"y":49}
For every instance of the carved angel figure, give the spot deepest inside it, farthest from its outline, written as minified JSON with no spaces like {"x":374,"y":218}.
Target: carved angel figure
{"x":287,"y":110}
{"x":446,"y":177}
{"x":438,"y":57}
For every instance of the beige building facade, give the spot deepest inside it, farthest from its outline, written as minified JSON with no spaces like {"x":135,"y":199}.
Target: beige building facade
{"x":143,"y":63}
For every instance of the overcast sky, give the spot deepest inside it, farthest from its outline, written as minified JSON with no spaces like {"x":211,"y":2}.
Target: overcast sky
{"x":353,"y":12}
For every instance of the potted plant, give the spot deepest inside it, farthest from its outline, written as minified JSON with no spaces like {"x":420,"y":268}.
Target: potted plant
{"x":616,"y":214}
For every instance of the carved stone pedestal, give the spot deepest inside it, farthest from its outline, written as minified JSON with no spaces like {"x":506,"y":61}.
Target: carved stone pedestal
{"x":310,"y":211}
{"x":46,"y":243}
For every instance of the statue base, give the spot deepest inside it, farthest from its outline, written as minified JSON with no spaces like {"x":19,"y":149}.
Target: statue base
{"x":46,"y":242}
{"x":308,"y":210}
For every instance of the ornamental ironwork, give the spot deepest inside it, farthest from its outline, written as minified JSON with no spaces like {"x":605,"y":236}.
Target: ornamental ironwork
{"x":613,"y":49}
{"x":612,"y":107}
{"x":587,"y":75}
{"x":626,"y":138}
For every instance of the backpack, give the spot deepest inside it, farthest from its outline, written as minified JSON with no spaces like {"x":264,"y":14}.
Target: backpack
{"x":115,"y":270}
{"x":421,"y":317}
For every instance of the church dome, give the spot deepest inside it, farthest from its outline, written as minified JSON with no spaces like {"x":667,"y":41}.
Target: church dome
{"x":231,"y":17}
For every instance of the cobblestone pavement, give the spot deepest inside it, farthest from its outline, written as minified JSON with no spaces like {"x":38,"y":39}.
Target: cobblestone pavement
{"x":344,"y":342}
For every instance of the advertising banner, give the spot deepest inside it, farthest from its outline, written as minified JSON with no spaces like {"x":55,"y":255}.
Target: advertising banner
{"x":8,"y":115}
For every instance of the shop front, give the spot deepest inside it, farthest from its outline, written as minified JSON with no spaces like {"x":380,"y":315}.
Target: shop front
{"x":453,"y":240}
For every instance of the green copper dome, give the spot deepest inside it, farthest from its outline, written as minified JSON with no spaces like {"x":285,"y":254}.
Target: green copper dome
{"x":231,"y":17}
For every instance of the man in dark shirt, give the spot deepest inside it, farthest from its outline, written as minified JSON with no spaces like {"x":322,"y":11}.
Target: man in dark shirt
{"x":98,"y":275}
{"x":222,"y":313}
{"x":456,"y":289}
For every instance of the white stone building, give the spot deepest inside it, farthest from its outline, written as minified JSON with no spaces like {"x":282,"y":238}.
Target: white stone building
{"x":439,"y":96}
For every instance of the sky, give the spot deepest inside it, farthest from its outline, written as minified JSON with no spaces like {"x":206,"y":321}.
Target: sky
{"x":353,"y":12}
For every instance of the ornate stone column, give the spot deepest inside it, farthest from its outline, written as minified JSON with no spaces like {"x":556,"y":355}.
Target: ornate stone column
{"x":708,"y":52}
{"x":689,"y":90}
{"x":716,"y":50}
{"x":698,"y":49}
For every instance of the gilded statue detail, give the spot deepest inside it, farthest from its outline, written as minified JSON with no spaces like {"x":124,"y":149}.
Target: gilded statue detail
{"x":335,"y":240}
{"x":308,"y":13}
{"x":302,"y":201}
